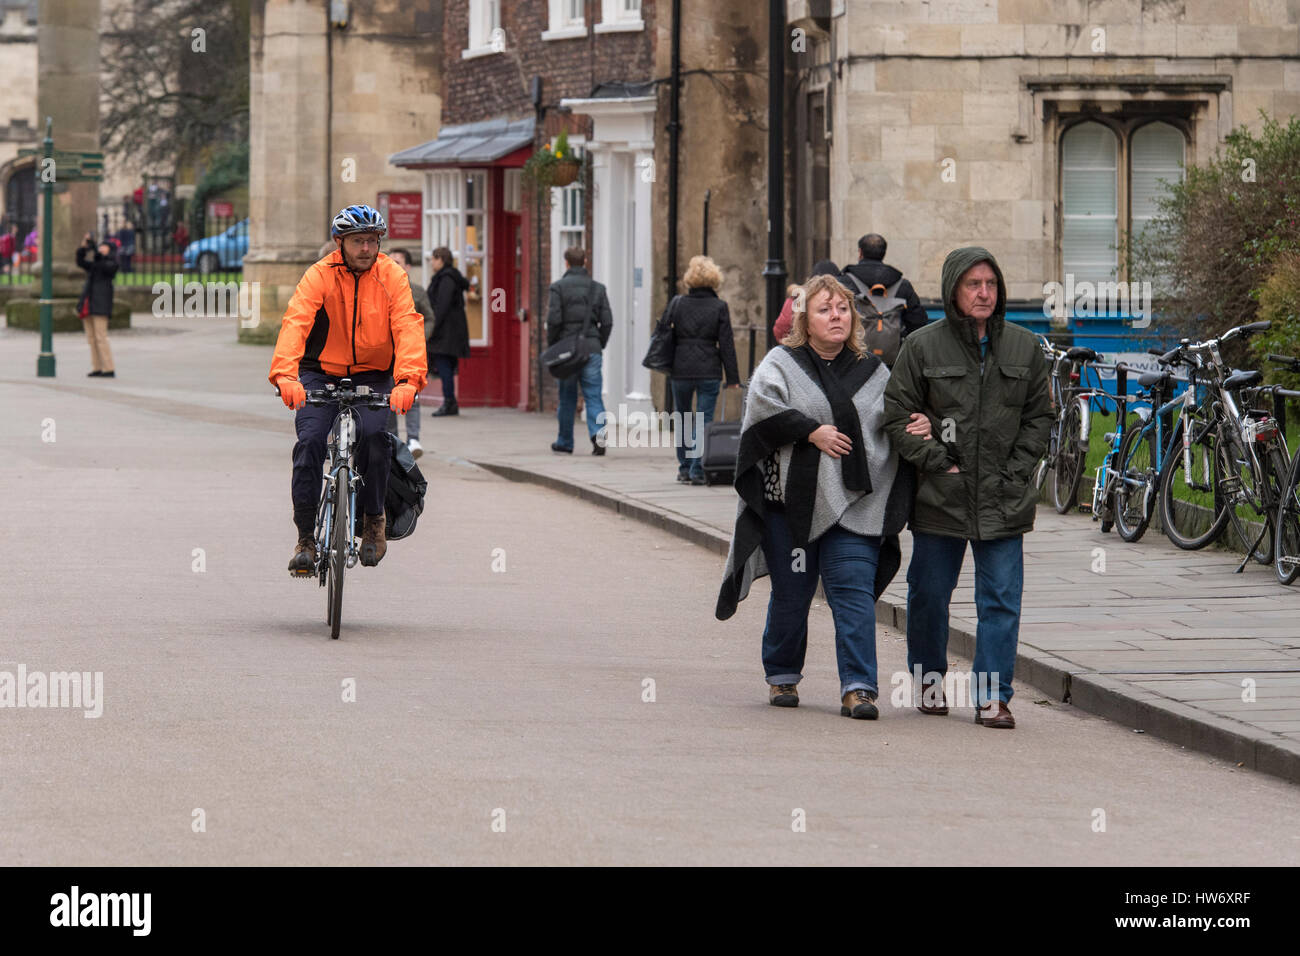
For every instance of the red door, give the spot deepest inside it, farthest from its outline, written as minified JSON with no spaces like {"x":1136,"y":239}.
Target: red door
{"x":490,"y":376}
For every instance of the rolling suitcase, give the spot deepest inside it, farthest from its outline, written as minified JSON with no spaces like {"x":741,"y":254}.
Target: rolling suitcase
{"x":720,"y":446}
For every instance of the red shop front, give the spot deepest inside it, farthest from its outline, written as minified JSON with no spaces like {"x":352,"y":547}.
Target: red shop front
{"x":472,"y":205}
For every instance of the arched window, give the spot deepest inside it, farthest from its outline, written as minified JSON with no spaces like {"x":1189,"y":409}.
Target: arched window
{"x":1156,"y":160}
{"x":1090,"y":202}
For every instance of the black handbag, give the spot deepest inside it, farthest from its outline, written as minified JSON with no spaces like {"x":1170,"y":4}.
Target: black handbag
{"x":567,"y":357}
{"x":663,"y":343}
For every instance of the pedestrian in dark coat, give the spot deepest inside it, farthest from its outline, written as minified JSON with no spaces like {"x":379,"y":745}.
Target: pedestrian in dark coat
{"x":704,"y":348}
{"x":450,"y":339}
{"x":871,"y":269}
{"x":96,"y":303}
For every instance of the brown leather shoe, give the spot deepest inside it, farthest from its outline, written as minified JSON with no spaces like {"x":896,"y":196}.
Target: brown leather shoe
{"x":932,"y":703}
{"x":373,"y":543}
{"x":859,"y":704}
{"x":996,"y":715}
{"x":303,"y":562}
{"x":783,"y":695}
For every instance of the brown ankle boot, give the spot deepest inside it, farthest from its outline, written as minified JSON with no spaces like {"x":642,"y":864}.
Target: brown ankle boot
{"x":303,"y":562}
{"x":373,"y":543}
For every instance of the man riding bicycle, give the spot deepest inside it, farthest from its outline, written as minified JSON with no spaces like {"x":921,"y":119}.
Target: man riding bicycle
{"x":351,"y":316}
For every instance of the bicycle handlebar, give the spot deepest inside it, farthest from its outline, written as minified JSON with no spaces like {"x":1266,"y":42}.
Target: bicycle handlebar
{"x":1284,"y":360}
{"x":355,"y":396}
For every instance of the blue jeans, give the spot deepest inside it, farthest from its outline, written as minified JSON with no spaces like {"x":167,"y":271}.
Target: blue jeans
{"x":589,"y":379}
{"x":847,"y":564}
{"x":445,"y":366}
{"x":684,"y":391}
{"x":999,"y":581}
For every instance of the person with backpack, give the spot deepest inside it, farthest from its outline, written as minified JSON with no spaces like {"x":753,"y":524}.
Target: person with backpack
{"x":448,"y":343}
{"x":889,"y":305}
{"x":784,"y":322}
{"x":578,"y":302}
{"x":704,"y":347}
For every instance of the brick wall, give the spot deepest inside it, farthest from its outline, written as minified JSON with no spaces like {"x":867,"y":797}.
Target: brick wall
{"x":498,"y":85}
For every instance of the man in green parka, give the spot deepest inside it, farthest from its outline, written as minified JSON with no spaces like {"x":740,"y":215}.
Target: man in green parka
{"x":983,"y":382}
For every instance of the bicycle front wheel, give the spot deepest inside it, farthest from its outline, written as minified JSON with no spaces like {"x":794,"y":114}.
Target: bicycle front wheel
{"x":1192,"y":506}
{"x":1135,"y":486}
{"x":1286,"y":529}
{"x":1067,"y":470}
{"x":342,"y":535}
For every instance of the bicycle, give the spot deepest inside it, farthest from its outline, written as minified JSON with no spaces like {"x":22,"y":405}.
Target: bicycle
{"x":1228,"y":460}
{"x":1143,"y":451}
{"x":1286,"y":526}
{"x":1067,"y":444}
{"x":336,"y":517}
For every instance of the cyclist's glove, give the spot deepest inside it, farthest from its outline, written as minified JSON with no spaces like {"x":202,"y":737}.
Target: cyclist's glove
{"x":292,"y":393}
{"x":402,"y":398}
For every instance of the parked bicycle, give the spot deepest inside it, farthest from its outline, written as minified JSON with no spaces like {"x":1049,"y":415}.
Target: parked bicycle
{"x":336,"y":520}
{"x":1073,"y":398}
{"x":1225,"y":462}
{"x":1286,"y":527}
{"x":1142,"y":451}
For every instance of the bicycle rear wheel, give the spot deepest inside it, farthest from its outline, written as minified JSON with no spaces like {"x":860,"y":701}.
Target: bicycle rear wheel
{"x":1192,"y":507}
{"x":1135,"y":485}
{"x":342,"y":535}
{"x":1067,"y":470}
{"x":1286,"y":529}
{"x":1255,"y":491}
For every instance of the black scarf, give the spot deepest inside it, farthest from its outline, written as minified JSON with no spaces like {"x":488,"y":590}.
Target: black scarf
{"x":840,"y":379}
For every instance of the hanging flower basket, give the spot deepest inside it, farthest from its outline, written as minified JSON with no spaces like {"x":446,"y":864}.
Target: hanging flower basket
{"x":549,"y":167}
{"x":566,"y":172}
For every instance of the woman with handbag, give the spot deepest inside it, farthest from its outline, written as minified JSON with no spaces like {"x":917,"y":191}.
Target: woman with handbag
{"x":96,"y":303}
{"x":822,"y":494}
{"x":697,"y":328}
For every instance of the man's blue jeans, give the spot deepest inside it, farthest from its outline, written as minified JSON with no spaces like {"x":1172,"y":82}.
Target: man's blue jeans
{"x":684,"y":392}
{"x":847,"y":564}
{"x":999,"y":581}
{"x":589,"y":379}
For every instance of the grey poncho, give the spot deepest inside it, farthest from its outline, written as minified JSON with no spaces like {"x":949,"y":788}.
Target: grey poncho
{"x":787,"y":400}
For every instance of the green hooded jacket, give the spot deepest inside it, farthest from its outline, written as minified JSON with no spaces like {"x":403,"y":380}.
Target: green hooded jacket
{"x":992,"y":423}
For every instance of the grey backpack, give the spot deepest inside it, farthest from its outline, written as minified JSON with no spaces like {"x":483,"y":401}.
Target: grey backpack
{"x":882,"y":315}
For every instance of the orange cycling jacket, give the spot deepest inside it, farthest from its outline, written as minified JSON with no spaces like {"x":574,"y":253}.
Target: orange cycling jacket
{"x":341,"y":323}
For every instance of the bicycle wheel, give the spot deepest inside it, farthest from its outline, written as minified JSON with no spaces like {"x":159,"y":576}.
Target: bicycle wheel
{"x":1286,"y":529}
{"x":1192,"y":509}
{"x":342,"y":535}
{"x":1067,"y":470}
{"x":1135,"y":485}
{"x":1251,"y":492}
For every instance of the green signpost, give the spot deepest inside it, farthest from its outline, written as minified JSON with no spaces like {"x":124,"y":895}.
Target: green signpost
{"x":55,"y":166}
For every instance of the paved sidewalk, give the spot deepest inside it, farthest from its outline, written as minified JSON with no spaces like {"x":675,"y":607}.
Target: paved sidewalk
{"x":1164,"y":641}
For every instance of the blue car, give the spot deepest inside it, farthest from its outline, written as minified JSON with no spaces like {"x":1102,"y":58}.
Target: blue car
{"x":219,"y":253}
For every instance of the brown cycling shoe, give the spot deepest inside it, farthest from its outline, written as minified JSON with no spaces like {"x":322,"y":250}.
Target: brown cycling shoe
{"x":783,"y":695}
{"x":303,"y":562}
{"x":373,"y":543}
{"x":996,"y":715}
{"x":859,"y":704}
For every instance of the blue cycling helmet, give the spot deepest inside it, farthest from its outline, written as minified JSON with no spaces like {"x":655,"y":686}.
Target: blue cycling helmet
{"x":358,"y":218}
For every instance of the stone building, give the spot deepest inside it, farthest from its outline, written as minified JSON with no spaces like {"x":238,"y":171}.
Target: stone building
{"x":19,"y":124}
{"x":329,"y":102}
{"x":1040,"y":129}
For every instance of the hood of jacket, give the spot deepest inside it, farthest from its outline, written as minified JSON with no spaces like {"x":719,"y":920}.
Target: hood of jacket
{"x":959,"y":261}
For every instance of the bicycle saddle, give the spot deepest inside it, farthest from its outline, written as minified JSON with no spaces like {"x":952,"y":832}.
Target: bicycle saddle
{"x":1240,"y":379}
{"x":1080,"y":353}
{"x":1147,"y":379}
